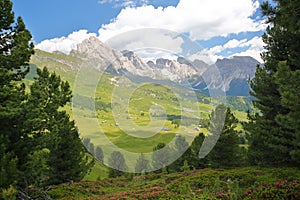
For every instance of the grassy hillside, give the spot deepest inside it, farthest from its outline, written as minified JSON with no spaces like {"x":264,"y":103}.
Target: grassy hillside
{"x":154,"y":108}
{"x":242,"y":183}
{"x":148,"y":109}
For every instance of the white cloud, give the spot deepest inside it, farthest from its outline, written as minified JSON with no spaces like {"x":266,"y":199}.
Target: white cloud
{"x":64,"y":44}
{"x":235,"y":43}
{"x":199,"y":19}
{"x":125,"y":3}
{"x":256,"y":46}
{"x":145,"y":39}
{"x":202,"y":19}
{"x":153,"y":54}
{"x":207,"y":55}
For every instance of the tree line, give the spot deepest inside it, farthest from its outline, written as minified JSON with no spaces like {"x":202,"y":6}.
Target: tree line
{"x":227,"y":152}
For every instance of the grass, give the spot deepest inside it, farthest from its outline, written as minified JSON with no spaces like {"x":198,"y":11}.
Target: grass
{"x":142,"y":110}
{"x":99,"y":171}
{"x":242,"y":116}
{"x":138,"y":112}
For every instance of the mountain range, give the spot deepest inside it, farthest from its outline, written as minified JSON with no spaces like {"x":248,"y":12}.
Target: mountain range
{"x":229,"y":75}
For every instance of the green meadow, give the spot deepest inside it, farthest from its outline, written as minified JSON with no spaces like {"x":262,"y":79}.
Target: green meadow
{"x":132,"y":115}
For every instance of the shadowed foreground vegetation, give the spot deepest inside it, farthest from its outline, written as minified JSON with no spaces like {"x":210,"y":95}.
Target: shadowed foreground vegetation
{"x":239,"y":183}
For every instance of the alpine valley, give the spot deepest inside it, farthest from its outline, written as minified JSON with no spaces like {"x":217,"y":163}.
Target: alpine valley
{"x":229,"y":75}
{"x":152,"y":100}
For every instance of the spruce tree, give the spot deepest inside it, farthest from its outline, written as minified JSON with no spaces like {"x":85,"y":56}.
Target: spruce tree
{"x":54,"y":130}
{"x":160,"y":157}
{"x":195,"y":161}
{"x":270,"y":130}
{"x":68,"y":160}
{"x":15,"y":52}
{"x":182,"y":152}
{"x":226,"y":150}
{"x":117,"y":164}
{"x":92,"y":149}
{"x":142,"y":164}
{"x":289,"y":88}
{"x":99,"y":154}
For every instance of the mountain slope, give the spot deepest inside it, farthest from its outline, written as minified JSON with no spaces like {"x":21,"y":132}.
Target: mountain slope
{"x":227,"y":75}
{"x":232,"y":76}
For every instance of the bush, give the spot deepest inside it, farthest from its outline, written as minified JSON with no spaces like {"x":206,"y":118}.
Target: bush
{"x":9,"y":193}
{"x":278,"y":190}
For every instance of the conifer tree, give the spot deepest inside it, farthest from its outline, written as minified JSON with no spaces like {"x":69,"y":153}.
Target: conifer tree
{"x":182,"y":152}
{"x":225,"y":152}
{"x":92,"y":149}
{"x":142,"y":164}
{"x":15,"y":52}
{"x":160,"y":157}
{"x":195,"y":161}
{"x":289,"y":88}
{"x":117,"y":164}
{"x":37,"y":139}
{"x":52,"y":128}
{"x":275,"y":131}
{"x":99,"y":154}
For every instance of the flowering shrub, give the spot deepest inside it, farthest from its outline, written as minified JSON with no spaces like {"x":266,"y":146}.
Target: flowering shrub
{"x":213,"y":184}
{"x":154,"y":192}
{"x":278,"y":190}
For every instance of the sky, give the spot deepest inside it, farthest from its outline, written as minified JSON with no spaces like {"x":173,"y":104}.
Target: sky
{"x":219,"y":28}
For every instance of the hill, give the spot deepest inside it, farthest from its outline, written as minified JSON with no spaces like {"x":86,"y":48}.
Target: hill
{"x":130,"y":111}
{"x":147,"y":99}
{"x":161,"y":100}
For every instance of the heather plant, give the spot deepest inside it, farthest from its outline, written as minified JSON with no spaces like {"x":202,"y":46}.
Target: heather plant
{"x":278,"y":190}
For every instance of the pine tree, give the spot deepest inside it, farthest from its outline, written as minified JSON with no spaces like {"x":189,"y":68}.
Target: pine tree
{"x":86,"y":142}
{"x":196,"y":162}
{"x":142,"y":164}
{"x":269,"y":133}
{"x":160,"y":157}
{"x":92,"y":149}
{"x":99,"y":154}
{"x":185,"y":167}
{"x":225,"y":152}
{"x":117,"y":164}
{"x":182,"y":152}
{"x":289,"y":89}
{"x":68,"y":160}
{"x":35,"y":136}
{"x":15,"y":52}
{"x":53,"y":128}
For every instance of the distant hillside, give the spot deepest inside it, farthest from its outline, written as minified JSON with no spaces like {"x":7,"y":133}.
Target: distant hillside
{"x":232,"y":76}
{"x":143,"y":103}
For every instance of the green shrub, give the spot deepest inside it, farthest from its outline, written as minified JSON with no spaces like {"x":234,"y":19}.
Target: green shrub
{"x":9,"y":193}
{"x":278,"y":190}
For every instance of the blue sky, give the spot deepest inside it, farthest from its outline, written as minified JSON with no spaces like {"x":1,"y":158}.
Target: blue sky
{"x":222,"y":28}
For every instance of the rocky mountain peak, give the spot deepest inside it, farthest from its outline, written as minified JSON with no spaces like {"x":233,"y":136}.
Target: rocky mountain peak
{"x":234,"y":72}
{"x":238,"y":61}
{"x":94,"y":48}
{"x":183,"y":60}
